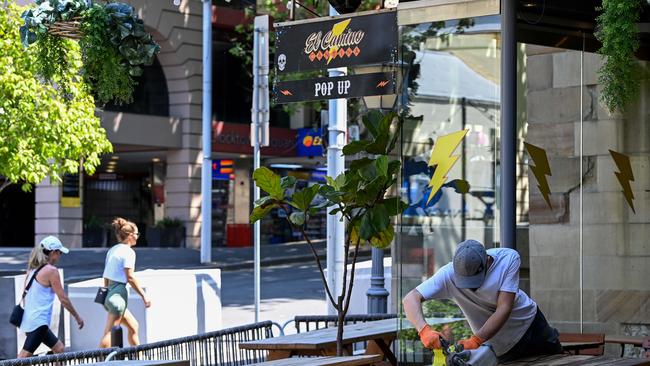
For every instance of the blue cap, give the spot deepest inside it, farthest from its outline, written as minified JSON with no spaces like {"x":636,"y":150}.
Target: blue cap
{"x":470,"y":264}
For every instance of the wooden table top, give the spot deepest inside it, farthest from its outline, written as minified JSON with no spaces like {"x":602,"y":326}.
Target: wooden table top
{"x":324,"y":338}
{"x":586,"y":344}
{"x":324,"y":361}
{"x":558,"y":360}
{"x":624,"y":339}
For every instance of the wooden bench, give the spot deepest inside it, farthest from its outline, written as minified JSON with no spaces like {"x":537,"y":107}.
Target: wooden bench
{"x":622,"y":340}
{"x":364,"y":360}
{"x":591,"y":344}
{"x":573,"y":360}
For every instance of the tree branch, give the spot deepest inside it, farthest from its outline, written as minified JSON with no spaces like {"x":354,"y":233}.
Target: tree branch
{"x":354,"y":265}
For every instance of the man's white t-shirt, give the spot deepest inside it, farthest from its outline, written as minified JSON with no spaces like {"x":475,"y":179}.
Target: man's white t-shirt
{"x":479,"y":305}
{"x":120,"y":256}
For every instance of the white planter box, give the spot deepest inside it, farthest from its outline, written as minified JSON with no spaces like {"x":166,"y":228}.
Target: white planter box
{"x":183,"y":303}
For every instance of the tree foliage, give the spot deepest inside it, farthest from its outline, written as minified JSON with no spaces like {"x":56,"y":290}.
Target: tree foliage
{"x":42,"y":132}
{"x":359,"y":195}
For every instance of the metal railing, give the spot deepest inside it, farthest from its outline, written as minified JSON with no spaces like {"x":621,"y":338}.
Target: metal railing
{"x":305,"y":323}
{"x":218,"y":348}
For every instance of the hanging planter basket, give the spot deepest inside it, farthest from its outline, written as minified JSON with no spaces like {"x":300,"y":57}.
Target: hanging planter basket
{"x":70,"y":29}
{"x":113,"y":41}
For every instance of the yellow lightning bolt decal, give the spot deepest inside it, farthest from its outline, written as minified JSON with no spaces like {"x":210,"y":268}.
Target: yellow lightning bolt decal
{"x":337,"y":30}
{"x":624,"y":176}
{"x":442,"y":159}
{"x":540,"y":170}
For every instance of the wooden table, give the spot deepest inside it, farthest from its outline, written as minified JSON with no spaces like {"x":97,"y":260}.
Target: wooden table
{"x":577,"y":346}
{"x":623,"y":340}
{"x":363,"y":360}
{"x":322,"y":342}
{"x":572,"y":360}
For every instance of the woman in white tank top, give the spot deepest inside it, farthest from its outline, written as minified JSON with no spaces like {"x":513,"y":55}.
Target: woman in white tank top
{"x":40,"y":297}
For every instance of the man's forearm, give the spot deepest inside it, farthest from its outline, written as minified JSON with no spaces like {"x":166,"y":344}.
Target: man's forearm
{"x":494,"y":323}
{"x":413,"y":311}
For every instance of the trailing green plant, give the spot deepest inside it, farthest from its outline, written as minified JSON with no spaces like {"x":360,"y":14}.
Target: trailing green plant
{"x":113,"y":40}
{"x":359,"y":195}
{"x":104,"y":66}
{"x":617,"y":31}
{"x":42,"y":132}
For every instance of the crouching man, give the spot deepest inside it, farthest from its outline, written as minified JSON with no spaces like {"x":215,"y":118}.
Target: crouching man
{"x":485,"y":285}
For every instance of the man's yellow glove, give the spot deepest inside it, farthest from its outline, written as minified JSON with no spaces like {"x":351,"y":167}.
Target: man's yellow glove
{"x":429,"y":337}
{"x":473,"y":342}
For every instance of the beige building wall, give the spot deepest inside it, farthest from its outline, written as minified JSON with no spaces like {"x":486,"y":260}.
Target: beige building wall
{"x":178,"y":31}
{"x":616,"y":253}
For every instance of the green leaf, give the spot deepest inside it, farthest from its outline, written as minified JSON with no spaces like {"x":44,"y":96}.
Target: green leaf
{"x":382,"y":165}
{"x":368,"y":172}
{"x":384,"y":238}
{"x":331,"y":194}
{"x":259,"y":212}
{"x":357,"y":164}
{"x":302,"y":198}
{"x":354,"y":147}
{"x":394,"y":205}
{"x":287,"y":182}
{"x":297,"y":218}
{"x":264,"y":201}
{"x":372,"y":121}
{"x":393,"y":167}
{"x":374,"y":221}
{"x":269,"y":182}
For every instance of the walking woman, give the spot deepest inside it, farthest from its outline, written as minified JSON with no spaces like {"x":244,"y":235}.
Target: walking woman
{"x":118,"y":271}
{"x":40,"y":297}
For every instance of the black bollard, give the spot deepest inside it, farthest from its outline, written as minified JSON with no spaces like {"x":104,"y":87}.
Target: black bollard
{"x":116,"y":337}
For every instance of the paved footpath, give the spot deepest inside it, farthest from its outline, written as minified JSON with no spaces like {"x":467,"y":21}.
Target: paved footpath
{"x":85,"y":263}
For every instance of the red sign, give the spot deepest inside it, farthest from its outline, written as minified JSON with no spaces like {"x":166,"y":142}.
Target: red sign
{"x":236,"y":138}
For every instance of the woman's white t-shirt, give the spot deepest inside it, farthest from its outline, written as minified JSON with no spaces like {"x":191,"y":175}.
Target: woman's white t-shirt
{"x":120,"y":256}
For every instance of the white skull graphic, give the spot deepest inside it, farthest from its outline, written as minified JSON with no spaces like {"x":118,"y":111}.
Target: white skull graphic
{"x":282,"y":61}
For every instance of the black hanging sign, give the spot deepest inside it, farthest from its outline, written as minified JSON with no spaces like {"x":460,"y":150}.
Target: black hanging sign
{"x":354,"y":86}
{"x":336,"y":42}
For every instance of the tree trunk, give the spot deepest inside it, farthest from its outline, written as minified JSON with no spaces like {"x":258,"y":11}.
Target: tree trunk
{"x":339,"y":333}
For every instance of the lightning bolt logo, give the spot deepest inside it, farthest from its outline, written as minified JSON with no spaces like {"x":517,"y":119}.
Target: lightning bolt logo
{"x":382,"y":84}
{"x":540,"y":170}
{"x":442,"y":159}
{"x":285,"y":92}
{"x":625,"y":176}
{"x":337,"y":30}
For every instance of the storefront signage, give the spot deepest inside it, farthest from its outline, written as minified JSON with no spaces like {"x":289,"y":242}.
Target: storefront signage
{"x":223,"y":169}
{"x":70,"y":191}
{"x":310,"y":142}
{"x":236,"y":138}
{"x":337,"y":42}
{"x":354,"y":86}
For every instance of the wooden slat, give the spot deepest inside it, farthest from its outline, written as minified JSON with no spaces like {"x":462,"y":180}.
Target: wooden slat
{"x":326,"y":338}
{"x":559,"y":360}
{"x":324,"y":361}
{"x":623,"y":339}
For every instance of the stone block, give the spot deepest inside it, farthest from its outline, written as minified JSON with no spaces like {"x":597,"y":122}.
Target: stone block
{"x":539,"y":72}
{"x":183,"y":199}
{"x":192,"y":141}
{"x":47,"y":210}
{"x":191,"y":125}
{"x":607,"y":169}
{"x":75,"y":213}
{"x":44,"y":227}
{"x":70,"y":226}
{"x":637,"y":243}
{"x":602,"y":239}
{"x":184,"y":84}
{"x":554,"y":240}
{"x":567,"y":69}
{"x":565,"y":174}
{"x":636,"y":273}
{"x":541,"y":213}
{"x":47,"y":194}
{"x":604,"y":272}
{"x":598,"y":137}
{"x":555,"y":272}
{"x":179,"y":98}
{"x":556,"y":138}
{"x":558,"y":306}
{"x":554,"y":105}
{"x":181,"y":185}
{"x":599,"y":207}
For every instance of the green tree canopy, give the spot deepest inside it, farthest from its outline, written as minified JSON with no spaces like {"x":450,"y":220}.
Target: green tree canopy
{"x":43,"y":132}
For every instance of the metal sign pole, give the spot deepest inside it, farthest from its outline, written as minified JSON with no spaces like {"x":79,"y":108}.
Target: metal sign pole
{"x":336,"y":165}
{"x":206,"y":168}
{"x":259,"y":129}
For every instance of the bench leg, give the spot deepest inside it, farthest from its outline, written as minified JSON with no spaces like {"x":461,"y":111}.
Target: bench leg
{"x":382,"y":347}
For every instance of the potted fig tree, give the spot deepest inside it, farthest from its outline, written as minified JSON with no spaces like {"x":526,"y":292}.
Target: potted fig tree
{"x":359,"y":195}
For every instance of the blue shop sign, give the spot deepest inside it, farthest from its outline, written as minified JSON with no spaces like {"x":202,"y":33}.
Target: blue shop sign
{"x":310,"y":142}
{"x":223,"y":169}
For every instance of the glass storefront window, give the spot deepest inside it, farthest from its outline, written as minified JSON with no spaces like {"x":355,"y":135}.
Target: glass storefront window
{"x":454,"y":67}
